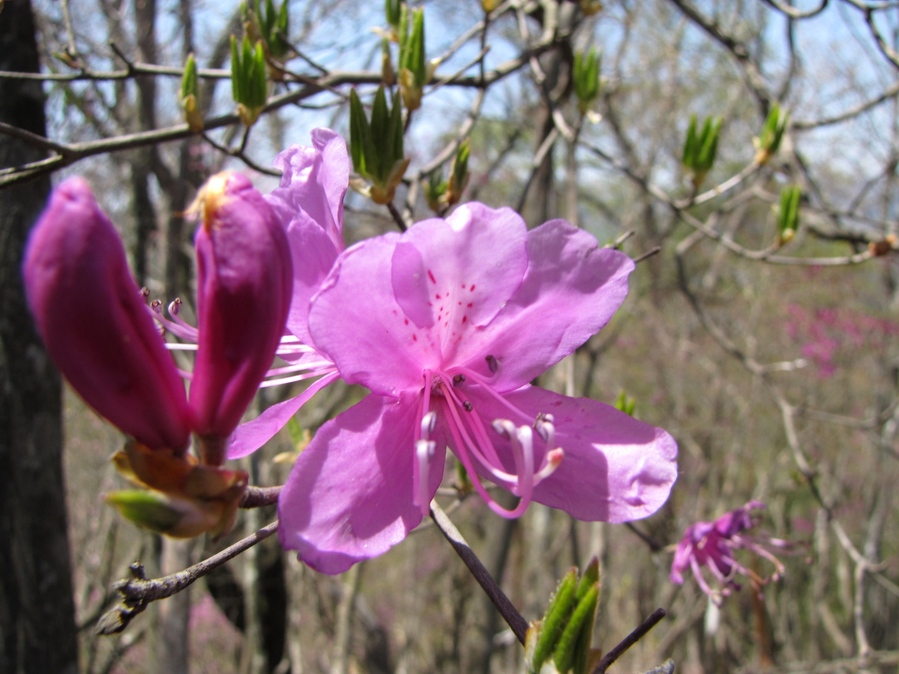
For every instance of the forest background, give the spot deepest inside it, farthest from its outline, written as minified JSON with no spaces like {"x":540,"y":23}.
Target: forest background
{"x":771,"y":355}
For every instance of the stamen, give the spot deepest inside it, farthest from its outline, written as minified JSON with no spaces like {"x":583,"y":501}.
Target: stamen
{"x":428,"y":424}
{"x":424,"y":452}
{"x":458,"y":379}
{"x":492,"y":364}
{"x":467,"y":405}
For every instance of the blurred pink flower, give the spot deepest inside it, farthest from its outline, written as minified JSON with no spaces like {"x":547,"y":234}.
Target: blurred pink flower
{"x":713,"y":545}
{"x":447,"y":324}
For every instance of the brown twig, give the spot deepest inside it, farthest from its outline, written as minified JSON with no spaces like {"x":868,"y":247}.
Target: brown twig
{"x":502,"y":603}
{"x":138,"y":592}
{"x":639,"y":632}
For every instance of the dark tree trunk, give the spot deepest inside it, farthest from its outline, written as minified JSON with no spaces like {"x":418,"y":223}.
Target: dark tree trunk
{"x":37,"y":615}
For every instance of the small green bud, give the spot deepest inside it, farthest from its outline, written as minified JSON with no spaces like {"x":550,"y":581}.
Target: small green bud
{"x":560,"y":643}
{"x":554,"y":620}
{"x":624,"y":403}
{"x":249,"y":85}
{"x":393,"y":13}
{"x":435,"y":190}
{"x":788,"y":214}
{"x":701,"y":147}
{"x":413,"y":66}
{"x":376,"y":147}
{"x":767,"y":144}
{"x":190,"y":95}
{"x":586,"y":78}
{"x":459,"y":174}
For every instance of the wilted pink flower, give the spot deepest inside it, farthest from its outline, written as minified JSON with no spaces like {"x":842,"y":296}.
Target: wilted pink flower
{"x":101,"y":334}
{"x":713,"y":545}
{"x":446,"y":324}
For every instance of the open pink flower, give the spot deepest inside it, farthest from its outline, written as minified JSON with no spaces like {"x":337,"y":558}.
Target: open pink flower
{"x":446,"y":325}
{"x":713,"y":545}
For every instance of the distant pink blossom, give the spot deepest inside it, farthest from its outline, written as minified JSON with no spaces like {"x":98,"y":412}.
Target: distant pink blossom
{"x":447,"y":324}
{"x":713,"y":545}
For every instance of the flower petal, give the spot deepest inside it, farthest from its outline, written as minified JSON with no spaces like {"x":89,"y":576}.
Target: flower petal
{"x":250,"y":436}
{"x":313,"y":253}
{"x":95,"y":323}
{"x":397,"y":305}
{"x":615,"y":468}
{"x":356,"y":321}
{"x":350,"y":495}
{"x":570,"y":291}
{"x":313,"y":184}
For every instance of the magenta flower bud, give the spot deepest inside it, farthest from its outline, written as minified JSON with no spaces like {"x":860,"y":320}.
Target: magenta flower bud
{"x":95,"y":323}
{"x":244,"y":285}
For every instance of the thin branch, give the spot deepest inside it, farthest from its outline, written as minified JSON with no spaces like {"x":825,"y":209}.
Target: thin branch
{"x":138,"y":592}
{"x":502,"y":603}
{"x":639,"y":632}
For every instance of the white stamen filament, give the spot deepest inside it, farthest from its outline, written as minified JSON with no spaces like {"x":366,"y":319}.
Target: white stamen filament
{"x":476,"y":449}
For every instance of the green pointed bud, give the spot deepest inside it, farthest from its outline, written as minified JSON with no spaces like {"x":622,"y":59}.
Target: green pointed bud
{"x":413,"y":66}
{"x":586,"y":78}
{"x":459,"y":174}
{"x":767,"y":144}
{"x":249,"y":85}
{"x":489,"y":5}
{"x":272,"y":26}
{"x":376,"y":147}
{"x":554,"y":621}
{"x":788,"y":214}
{"x":435,"y":191}
{"x":573,"y":649}
{"x":701,"y":147}
{"x":190,"y":95}
{"x":388,"y":74}
{"x":624,"y":403}
{"x":393,"y":10}
{"x":588,"y":579}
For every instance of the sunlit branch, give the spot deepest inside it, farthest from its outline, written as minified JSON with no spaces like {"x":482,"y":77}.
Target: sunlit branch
{"x":138,"y":592}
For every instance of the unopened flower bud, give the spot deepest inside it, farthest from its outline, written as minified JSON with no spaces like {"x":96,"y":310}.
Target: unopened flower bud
{"x":95,"y":323}
{"x":244,"y":286}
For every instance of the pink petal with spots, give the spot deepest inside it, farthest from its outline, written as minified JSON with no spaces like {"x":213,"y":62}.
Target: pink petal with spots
{"x":356,"y":321}
{"x":570,"y":291}
{"x":350,"y":494}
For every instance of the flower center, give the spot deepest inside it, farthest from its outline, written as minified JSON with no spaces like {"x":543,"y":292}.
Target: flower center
{"x":448,"y":393}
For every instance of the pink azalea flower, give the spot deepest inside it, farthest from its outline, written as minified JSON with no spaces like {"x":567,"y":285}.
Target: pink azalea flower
{"x":713,"y":545}
{"x":447,"y":324}
{"x":309,"y":205}
{"x":99,"y":331}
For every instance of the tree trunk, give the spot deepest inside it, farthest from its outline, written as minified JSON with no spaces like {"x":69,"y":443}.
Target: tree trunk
{"x":37,"y":613}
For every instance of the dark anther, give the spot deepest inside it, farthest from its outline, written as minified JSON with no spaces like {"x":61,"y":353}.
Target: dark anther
{"x":467,"y":405}
{"x":145,"y":292}
{"x":492,"y":363}
{"x":458,"y":379}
